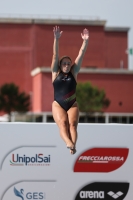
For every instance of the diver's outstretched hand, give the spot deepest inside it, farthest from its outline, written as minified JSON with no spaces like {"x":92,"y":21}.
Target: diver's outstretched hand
{"x":57,"y":32}
{"x":85,"y":34}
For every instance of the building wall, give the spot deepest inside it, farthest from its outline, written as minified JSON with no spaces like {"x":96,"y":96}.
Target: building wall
{"x":106,"y":48}
{"x":115,"y":50}
{"x":24,"y":47}
{"x":37,"y":93}
{"x":16,"y":55}
{"x":42,"y":92}
{"x":47,"y":92}
{"x":70,"y":44}
{"x":118,"y":88}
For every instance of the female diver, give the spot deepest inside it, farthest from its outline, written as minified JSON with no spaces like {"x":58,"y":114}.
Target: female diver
{"x":64,"y":77}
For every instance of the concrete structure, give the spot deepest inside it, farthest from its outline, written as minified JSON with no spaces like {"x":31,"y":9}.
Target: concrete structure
{"x":26,"y":53}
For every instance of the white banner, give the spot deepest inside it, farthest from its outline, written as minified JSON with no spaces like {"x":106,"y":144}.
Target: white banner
{"x":35,"y":163}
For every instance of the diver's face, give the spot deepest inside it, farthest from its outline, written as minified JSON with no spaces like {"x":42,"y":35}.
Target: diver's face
{"x":66,"y":65}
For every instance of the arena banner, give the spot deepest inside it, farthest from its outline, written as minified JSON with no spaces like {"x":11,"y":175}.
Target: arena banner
{"x":36,"y":164}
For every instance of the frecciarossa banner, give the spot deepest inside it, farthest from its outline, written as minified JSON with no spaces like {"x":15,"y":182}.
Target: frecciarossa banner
{"x":101,"y":160}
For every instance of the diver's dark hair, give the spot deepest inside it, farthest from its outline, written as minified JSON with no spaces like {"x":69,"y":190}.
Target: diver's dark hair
{"x":63,"y":58}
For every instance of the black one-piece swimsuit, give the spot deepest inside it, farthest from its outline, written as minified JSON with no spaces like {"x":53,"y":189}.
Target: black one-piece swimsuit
{"x":65,"y":90}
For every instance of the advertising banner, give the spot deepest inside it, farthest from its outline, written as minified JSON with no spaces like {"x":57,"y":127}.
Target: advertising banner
{"x":36,"y":164}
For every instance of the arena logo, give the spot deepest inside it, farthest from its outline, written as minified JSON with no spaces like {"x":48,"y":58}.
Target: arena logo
{"x":29,"y":195}
{"x":104,"y":190}
{"x":101,"y":160}
{"x":38,"y":160}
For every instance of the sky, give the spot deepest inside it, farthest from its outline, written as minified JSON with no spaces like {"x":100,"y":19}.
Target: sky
{"x":116,"y":13}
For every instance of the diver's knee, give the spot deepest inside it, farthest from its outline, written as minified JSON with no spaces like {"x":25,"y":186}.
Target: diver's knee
{"x":73,"y":126}
{"x":63,"y":124}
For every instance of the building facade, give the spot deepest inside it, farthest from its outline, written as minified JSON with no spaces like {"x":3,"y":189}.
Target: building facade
{"x":26,"y":53}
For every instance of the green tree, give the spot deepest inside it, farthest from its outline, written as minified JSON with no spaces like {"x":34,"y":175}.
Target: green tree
{"x":11,"y":99}
{"x":91,"y":99}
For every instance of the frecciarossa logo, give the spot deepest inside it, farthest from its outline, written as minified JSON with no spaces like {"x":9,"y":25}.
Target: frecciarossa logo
{"x":101,"y":160}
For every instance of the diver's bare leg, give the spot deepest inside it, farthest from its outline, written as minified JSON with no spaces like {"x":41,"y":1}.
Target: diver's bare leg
{"x":73,"y":118}
{"x":61,"y":118}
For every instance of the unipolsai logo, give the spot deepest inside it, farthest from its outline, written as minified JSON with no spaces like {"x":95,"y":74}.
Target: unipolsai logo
{"x":28,"y":195}
{"x":104,"y":190}
{"x":24,"y":160}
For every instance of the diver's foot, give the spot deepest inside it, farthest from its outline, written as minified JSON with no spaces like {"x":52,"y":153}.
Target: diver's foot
{"x":73,"y":150}
{"x":70,"y":145}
